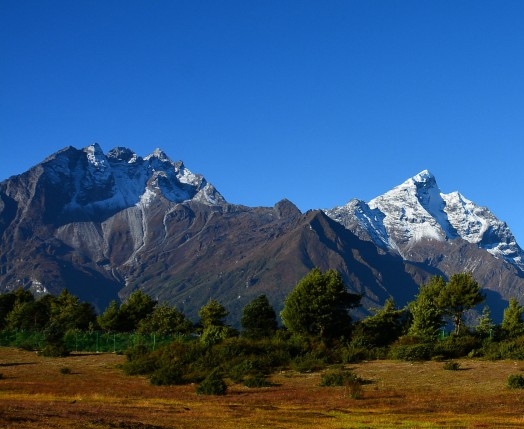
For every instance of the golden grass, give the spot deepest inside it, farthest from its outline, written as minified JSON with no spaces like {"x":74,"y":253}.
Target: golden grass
{"x":97,"y":395}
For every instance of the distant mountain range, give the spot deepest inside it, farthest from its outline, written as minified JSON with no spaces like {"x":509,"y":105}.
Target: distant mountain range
{"x":103,"y":225}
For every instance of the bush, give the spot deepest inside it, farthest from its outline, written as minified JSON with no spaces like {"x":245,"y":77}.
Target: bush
{"x":412,"y":353}
{"x":307,"y":363}
{"x":257,"y":380}
{"x":451,"y":366}
{"x":213,"y":384}
{"x":167,"y":375}
{"x":339,"y":377}
{"x":65,"y":370}
{"x":456,"y":346}
{"x":516,"y":381}
{"x":54,"y":350}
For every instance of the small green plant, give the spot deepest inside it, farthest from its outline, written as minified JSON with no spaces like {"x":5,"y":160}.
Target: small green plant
{"x":516,"y":381}
{"x":65,"y":370}
{"x":339,"y":377}
{"x":257,"y":380}
{"x":451,"y":366}
{"x":213,"y":384}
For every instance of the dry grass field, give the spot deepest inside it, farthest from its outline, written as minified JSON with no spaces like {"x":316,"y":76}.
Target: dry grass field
{"x":36,"y":392}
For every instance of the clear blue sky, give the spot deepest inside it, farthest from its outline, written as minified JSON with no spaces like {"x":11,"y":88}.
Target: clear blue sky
{"x":315,"y":101}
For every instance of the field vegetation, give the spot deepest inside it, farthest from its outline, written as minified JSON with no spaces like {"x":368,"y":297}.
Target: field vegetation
{"x":95,"y":393}
{"x":396,"y":368}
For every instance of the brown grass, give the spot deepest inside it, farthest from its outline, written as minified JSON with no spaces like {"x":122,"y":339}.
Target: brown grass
{"x":36,"y":393}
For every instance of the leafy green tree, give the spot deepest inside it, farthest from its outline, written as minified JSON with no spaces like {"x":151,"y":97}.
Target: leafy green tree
{"x":212,"y":314}
{"x":382,"y":328}
{"x":319,"y":305}
{"x":165,"y":320}
{"x":461,"y":293}
{"x":259,"y":318}
{"x":212,"y":318}
{"x":485,"y":324}
{"x":137,"y":307}
{"x":427,"y":316}
{"x":109,"y":320}
{"x":512,"y":324}
{"x":8,"y":301}
{"x":68,"y":312}
{"x":32,"y":315}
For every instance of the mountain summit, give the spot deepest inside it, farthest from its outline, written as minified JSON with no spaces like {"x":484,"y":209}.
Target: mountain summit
{"x":103,"y":225}
{"x":416,"y":212}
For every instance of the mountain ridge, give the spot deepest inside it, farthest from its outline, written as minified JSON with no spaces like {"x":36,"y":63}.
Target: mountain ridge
{"x":106,"y":224}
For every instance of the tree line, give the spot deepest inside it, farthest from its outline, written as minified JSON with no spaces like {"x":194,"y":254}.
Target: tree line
{"x":316,"y":312}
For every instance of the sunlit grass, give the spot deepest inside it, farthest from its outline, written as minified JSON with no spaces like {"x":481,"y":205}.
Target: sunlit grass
{"x":97,"y":395}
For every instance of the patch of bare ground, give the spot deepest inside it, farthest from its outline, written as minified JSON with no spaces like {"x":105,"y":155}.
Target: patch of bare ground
{"x":94,"y":393}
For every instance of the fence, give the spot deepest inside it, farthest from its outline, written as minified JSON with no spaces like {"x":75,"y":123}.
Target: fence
{"x":77,"y":341}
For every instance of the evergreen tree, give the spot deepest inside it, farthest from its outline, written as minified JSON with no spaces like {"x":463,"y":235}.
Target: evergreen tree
{"x":382,"y":328}
{"x":485,"y":324}
{"x":427,"y":316}
{"x":165,"y":320}
{"x":212,"y":314}
{"x":259,"y":318}
{"x":137,"y":307}
{"x":461,"y":293}
{"x":109,"y":320}
{"x":319,"y":305}
{"x":512,"y":324}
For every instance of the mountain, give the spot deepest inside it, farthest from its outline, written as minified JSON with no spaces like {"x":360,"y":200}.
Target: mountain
{"x":444,"y":232}
{"x":104,"y":225}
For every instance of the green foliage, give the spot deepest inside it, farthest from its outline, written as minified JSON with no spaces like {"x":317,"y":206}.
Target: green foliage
{"x":485,"y":326}
{"x":213,"y":384}
{"x":54,"y":344}
{"x":167,"y":375}
{"x":109,"y":320}
{"x":512,"y":324}
{"x":319,"y":306}
{"x":308,"y":363}
{"x":137,"y":307}
{"x":68,"y":312}
{"x":456,"y":346}
{"x":427,"y":316}
{"x":259,"y":318}
{"x":411,"y":352}
{"x":380,"y":329}
{"x":451,"y":365}
{"x":339,"y":377}
{"x":212,"y":314}
{"x":257,"y":380}
{"x":165,"y":320}
{"x":215,"y":334}
{"x":460,"y":294}
{"x":516,"y":381}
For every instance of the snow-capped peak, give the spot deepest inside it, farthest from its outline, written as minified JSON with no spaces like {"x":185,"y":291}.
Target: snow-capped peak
{"x":96,"y":157}
{"x":417,"y":210}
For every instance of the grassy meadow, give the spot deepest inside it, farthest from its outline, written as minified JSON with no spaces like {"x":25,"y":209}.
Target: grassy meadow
{"x":90,"y":391}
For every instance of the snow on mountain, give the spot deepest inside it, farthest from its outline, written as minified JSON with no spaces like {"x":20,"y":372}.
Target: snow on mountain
{"x":95,"y":182}
{"x":417,"y":210}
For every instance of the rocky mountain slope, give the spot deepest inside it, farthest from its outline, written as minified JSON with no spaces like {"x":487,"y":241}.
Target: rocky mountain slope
{"x":103,"y":225}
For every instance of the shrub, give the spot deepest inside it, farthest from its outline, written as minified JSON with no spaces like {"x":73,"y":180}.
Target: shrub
{"x":65,"y":370}
{"x":451,"y":366}
{"x":307,"y":363}
{"x":456,"y":346}
{"x":1,"y":376}
{"x":54,"y":350}
{"x":413,"y":353}
{"x":339,"y":377}
{"x":167,"y":375}
{"x":516,"y":381}
{"x":257,"y":380}
{"x":213,"y":384}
